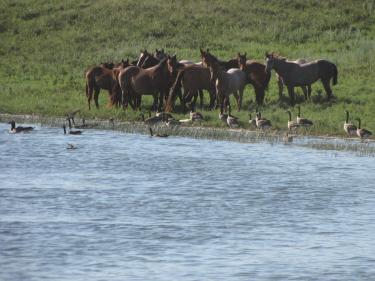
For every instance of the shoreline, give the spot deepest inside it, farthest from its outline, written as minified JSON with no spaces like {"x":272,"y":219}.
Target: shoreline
{"x":338,"y":143}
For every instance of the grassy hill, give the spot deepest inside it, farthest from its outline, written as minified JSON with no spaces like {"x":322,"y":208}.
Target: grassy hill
{"x":46,"y":46}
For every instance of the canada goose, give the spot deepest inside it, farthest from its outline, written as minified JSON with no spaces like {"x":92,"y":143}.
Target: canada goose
{"x":362,"y":133}
{"x":157,"y":135}
{"x":223,"y":117}
{"x":232,"y":121}
{"x":349,"y":128}
{"x":152,"y":120}
{"x":304,"y":122}
{"x":72,"y":114}
{"x":19,"y":129}
{"x":71,"y":146}
{"x":194,"y":115}
{"x":252,"y":122}
{"x":71,"y":132}
{"x":292,"y":125}
{"x":172,"y":122}
{"x":262,"y":123}
{"x":163,"y":115}
{"x":288,"y":138}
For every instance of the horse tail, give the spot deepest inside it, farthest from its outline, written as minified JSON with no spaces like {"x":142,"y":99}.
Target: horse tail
{"x":335,"y":72}
{"x":173,"y":91}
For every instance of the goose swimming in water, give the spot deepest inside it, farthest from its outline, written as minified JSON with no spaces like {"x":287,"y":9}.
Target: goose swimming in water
{"x":19,"y":129}
{"x":70,"y":132}
{"x":157,"y":135}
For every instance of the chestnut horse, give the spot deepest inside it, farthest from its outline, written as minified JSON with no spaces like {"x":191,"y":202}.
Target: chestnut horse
{"x":136,"y":81}
{"x":232,"y":63}
{"x":102,"y":77}
{"x":295,"y":74}
{"x":228,"y":82}
{"x":193,"y":78}
{"x":256,"y":75}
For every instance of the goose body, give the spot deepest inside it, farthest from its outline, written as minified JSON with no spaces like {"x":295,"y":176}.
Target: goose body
{"x":349,"y":128}
{"x":292,"y":125}
{"x":304,"y":122}
{"x":223,"y":117}
{"x":252,"y":122}
{"x":70,"y":132}
{"x":362,"y":133}
{"x":157,"y":135}
{"x":19,"y":129}
{"x":232,"y":121}
{"x":194,"y":115}
{"x":152,"y":120}
{"x":262,"y":123}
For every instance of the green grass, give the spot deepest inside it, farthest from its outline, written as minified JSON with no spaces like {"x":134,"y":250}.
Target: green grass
{"x":46,"y":46}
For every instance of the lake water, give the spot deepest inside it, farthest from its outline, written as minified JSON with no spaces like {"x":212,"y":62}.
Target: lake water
{"x":130,"y":207}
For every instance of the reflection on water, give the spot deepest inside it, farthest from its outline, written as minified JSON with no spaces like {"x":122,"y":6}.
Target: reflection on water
{"x":131,"y":207}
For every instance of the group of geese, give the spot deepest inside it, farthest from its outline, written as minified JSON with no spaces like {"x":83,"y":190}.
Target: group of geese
{"x":232,"y":121}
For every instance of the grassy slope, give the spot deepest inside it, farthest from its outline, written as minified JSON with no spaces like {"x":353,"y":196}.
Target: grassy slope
{"x":46,"y":46}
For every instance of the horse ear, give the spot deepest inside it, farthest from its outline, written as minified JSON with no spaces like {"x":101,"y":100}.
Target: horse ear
{"x":174,"y":56}
{"x":156,"y":50}
{"x":127,"y":60}
{"x":208,"y":50}
{"x":245,"y":54}
{"x":238,"y":54}
{"x":162,"y":50}
{"x":202,"y":52}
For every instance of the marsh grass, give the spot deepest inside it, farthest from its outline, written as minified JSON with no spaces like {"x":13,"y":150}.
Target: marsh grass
{"x":46,"y":47}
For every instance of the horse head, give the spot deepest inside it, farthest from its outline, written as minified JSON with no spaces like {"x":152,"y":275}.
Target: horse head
{"x":160,"y":54}
{"x":241,"y":60}
{"x":142,"y":56}
{"x":270,"y":59}
{"x":172,"y":63}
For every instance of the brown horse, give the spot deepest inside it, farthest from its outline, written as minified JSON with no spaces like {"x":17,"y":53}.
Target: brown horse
{"x":193,"y":79}
{"x":295,"y":74}
{"x":228,"y":82}
{"x":136,"y":81}
{"x":102,"y":77}
{"x":226,"y":65}
{"x":256,"y":75}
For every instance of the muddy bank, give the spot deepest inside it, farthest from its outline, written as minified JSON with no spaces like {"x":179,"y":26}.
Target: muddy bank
{"x":238,"y":135}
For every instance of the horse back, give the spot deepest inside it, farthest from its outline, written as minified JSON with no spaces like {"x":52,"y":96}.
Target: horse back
{"x":196,"y":76}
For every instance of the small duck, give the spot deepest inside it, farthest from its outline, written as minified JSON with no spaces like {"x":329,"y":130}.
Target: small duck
{"x":362,"y":133}
{"x":232,"y":121}
{"x":19,"y":129}
{"x":71,"y":132}
{"x":262,"y":123}
{"x":349,"y":128}
{"x":304,"y":122}
{"x":157,"y":135}
{"x":292,"y":125}
{"x":252,"y":122}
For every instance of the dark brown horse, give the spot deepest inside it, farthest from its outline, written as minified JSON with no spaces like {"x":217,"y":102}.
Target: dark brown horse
{"x":135,"y":82}
{"x":226,"y":65}
{"x":193,"y":79}
{"x":295,"y":74}
{"x":256,"y":75}
{"x":102,"y":77}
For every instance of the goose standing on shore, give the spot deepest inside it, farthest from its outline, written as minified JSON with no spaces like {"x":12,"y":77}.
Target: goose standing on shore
{"x":304,"y":122}
{"x":262,"y":123}
{"x":194,"y":115}
{"x":18,"y":129}
{"x":362,"y":133}
{"x":232,"y":121}
{"x":292,"y":125}
{"x":349,"y":128}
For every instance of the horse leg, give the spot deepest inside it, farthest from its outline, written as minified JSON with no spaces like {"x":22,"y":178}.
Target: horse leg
{"x":291,"y":95}
{"x":89,"y":92}
{"x":327,"y":88}
{"x":304,"y":90}
{"x":155,"y":102}
{"x":280,"y":83}
{"x":96,"y":96}
{"x":241,"y":97}
{"x":309,"y":90}
{"x":237,"y":97}
{"x":201,"y":98}
{"x":161,"y":99}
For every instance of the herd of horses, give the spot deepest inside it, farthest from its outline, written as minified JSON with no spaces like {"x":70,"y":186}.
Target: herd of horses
{"x":165,"y":78}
